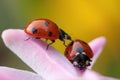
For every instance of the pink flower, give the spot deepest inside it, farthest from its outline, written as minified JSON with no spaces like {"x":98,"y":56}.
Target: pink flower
{"x":47,"y":64}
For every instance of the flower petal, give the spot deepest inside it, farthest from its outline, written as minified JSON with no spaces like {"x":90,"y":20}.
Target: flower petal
{"x":33,"y":52}
{"x":97,"y":46}
{"x":49,"y":63}
{"x":15,"y":74}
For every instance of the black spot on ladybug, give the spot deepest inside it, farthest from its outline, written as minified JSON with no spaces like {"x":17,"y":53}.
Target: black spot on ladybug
{"x":34,"y":30}
{"x":47,"y":24}
{"x":50,"y":34}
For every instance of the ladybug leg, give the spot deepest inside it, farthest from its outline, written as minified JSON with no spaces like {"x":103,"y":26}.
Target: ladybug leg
{"x":27,"y":38}
{"x":64,"y":43}
{"x":50,"y":44}
{"x":31,"y":38}
{"x":46,"y":40}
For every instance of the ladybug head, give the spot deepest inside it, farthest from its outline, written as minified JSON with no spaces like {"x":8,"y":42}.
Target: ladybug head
{"x":81,"y":60}
{"x":64,"y":35}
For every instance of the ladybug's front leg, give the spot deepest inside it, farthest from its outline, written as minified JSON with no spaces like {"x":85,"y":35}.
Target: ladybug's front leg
{"x":50,"y":44}
{"x":28,"y":38}
{"x":64,"y":43}
{"x":31,"y":38}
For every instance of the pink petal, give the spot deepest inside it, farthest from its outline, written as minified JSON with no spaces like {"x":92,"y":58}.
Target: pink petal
{"x":33,"y":52}
{"x":50,"y":64}
{"x":15,"y":74}
{"x":97,"y":46}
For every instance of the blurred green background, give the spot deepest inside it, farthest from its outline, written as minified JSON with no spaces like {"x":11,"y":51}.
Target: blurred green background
{"x":83,"y":19}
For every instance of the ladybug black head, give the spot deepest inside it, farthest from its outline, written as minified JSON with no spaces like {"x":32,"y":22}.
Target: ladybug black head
{"x":81,"y":61}
{"x":64,"y":35}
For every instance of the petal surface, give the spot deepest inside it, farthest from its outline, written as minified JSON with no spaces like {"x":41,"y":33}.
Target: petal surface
{"x":15,"y":74}
{"x":33,"y":52}
{"x":50,"y":64}
{"x":97,"y":46}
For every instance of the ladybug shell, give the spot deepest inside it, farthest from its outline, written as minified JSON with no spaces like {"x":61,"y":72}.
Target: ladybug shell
{"x":42,"y":28}
{"x":71,"y":49}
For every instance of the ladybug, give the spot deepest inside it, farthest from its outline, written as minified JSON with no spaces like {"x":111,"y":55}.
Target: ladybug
{"x":79,"y":54}
{"x":47,"y":29}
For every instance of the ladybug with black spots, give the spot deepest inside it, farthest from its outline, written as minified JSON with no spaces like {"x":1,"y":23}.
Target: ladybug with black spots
{"x":47,"y":29}
{"x":79,"y":54}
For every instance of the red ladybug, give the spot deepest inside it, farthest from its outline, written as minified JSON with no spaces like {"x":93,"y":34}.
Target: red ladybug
{"x":79,"y":53}
{"x":45,"y":28}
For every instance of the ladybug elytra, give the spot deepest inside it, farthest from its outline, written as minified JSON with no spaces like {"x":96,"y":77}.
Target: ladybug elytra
{"x":45,"y":28}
